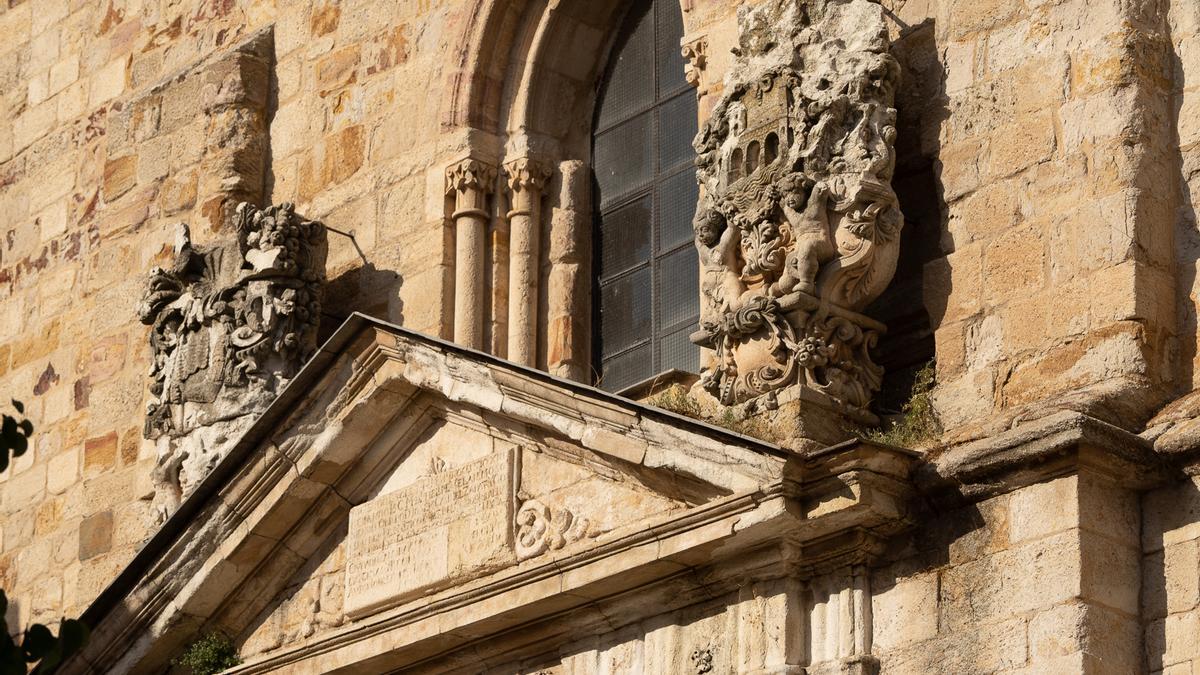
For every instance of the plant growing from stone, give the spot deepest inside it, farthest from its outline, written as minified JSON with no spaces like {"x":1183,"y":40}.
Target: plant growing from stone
{"x":38,"y":647}
{"x":209,"y":655}
{"x":918,"y":422}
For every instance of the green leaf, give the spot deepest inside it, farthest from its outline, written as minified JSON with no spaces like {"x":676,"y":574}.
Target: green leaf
{"x":19,"y":406}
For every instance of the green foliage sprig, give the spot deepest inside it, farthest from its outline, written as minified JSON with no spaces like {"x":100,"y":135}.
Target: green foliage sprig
{"x":209,"y":655}
{"x":918,"y":422}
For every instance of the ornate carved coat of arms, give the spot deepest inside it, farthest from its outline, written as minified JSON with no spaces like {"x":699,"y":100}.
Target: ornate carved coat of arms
{"x":798,"y":227}
{"x":230,"y":325}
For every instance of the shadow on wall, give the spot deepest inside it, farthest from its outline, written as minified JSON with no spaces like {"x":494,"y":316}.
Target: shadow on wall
{"x":1187,"y":232}
{"x":368,"y":290}
{"x":921,"y":108}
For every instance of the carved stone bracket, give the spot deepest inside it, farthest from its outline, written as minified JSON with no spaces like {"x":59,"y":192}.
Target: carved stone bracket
{"x":695,"y":51}
{"x":798,"y":226}
{"x":231,"y":324}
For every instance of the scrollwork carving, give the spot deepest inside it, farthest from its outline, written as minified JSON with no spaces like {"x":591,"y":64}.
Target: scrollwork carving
{"x":798,"y":227}
{"x":541,"y":529}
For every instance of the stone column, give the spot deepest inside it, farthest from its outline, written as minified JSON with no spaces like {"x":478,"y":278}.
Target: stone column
{"x":470,"y":182}
{"x":569,"y":250}
{"x":526,"y":178}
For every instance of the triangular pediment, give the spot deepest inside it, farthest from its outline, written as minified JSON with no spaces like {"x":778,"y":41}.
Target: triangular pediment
{"x":403,"y":481}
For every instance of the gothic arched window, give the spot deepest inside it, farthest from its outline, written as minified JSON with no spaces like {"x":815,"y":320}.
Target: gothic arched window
{"x":647,"y":287}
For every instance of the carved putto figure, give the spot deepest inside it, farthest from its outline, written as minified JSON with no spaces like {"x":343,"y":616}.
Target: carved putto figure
{"x":798,"y":227}
{"x":230,"y":325}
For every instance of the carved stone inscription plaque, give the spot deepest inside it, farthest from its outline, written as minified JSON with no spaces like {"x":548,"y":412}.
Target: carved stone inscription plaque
{"x":446,"y":527}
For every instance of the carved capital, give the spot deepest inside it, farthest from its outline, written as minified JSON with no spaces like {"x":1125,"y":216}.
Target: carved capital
{"x":696,"y":53}
{"x":470,"y":174}
{"x":526,"y":174}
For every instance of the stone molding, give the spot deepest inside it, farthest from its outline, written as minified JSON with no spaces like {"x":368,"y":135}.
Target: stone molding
{"x":695,"y":52}
{"x":371,"y":385}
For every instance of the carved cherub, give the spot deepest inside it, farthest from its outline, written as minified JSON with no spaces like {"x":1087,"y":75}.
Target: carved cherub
{"x":717,"y":244}
{"x":814,"y":242}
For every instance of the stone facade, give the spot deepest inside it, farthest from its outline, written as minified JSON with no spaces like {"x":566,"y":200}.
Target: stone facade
{"x":1025,"y":172}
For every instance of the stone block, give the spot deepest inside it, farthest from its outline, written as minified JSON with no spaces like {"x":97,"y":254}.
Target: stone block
{"x":338,"y":69}
{"x":959,"y":166}
{"x":1058,"y":631}
{"x":120,"y":175}
{"x":953,"y":285}
{"x":989,"y":212}
{"x":964,"y":17}
{"x":63,"y":73}
{"x":1014,"y":264}
{"x":100,"y":454}
{"x":905,"y":612}
{"x":108,"y":82}
{"x":62,"y":471}
{"x":1043,"y":509}
{"x":1180,"y":581}
{"x":1027,"y":141}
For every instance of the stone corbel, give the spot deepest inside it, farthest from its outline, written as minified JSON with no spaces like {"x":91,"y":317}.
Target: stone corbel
{"x":525,"y":179}
{"x":695,"y":51}
{"x":470,"y":182}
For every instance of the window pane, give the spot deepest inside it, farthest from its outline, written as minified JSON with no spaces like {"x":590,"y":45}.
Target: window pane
{"x":625,"y":311}
{"x":630,"y":85}
{"x":677,"y":128}
{"x":623,"y":160}
{"x":677,"y":351}
{"x":677,"y":198}
{"x":625,"y":237}
{"x":646,"y":268}
{"x":678,"y":288}
{"x":628,"y":368}
{"x":669,"y":52}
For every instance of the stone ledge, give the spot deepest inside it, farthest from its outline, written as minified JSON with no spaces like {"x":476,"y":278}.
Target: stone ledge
{"x":1038,"y":451}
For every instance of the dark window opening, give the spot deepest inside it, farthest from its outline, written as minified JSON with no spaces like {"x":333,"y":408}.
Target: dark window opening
{"x":647,"y":282}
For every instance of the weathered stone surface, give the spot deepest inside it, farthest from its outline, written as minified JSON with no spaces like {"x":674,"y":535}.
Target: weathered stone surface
{"x":796,"y":162}
{"x":230,"y":325}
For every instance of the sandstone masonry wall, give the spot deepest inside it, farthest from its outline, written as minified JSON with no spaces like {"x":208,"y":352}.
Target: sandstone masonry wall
{"x":1049,"y":170}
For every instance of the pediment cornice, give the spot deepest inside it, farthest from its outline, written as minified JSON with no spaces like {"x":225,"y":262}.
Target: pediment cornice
{"x":371,"y":394}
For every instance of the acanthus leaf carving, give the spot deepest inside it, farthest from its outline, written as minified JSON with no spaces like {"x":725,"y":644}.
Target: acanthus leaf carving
{"x":230,"y":325}
{"x":798,"y":227}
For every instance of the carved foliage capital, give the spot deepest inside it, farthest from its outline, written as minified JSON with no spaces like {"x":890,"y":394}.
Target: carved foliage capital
{"x":526,"y":174}
{"x":696,"y":53}
{"x":470,"y":174}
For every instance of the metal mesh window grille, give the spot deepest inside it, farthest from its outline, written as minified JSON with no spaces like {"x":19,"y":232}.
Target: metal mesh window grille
{"x":647,"y":295}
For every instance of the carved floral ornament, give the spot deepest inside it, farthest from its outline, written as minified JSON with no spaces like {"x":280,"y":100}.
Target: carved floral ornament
{"x":798,"y":227}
